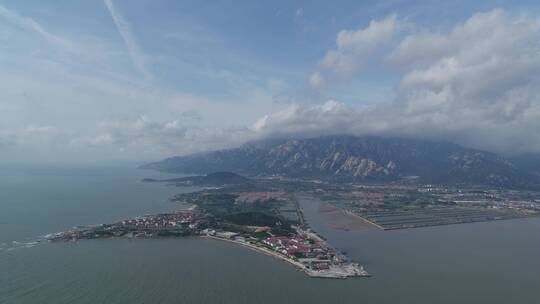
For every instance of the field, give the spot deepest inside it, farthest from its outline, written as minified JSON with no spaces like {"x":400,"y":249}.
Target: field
{"x":433,"y":217}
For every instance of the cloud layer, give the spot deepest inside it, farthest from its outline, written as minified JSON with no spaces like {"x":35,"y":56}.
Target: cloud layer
{"x":354,"y":49}
{"x":477,"y":84}
{"x":124,"y":29}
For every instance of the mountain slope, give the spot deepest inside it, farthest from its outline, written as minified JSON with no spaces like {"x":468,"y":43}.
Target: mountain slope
{"x":356,"y":158}
{"x":529,"y":162}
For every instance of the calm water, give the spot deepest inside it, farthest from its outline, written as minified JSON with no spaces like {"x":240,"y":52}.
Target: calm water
{"x":476,"y":263}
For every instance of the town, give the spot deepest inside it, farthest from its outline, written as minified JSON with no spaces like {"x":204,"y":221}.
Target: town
{"x":394,"y":206}
{"x":264,"y":215}
{"x":305,"y":250}
{"x":181,"y":223}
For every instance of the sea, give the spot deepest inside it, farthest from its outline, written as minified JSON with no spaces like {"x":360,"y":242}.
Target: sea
{"x":495,"y":262}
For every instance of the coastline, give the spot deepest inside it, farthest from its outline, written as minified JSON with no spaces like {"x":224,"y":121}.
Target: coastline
{"x":342,"y":272}
{"x":259,"y":249}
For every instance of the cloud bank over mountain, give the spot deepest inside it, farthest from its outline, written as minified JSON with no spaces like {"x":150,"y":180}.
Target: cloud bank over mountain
{"x":119,"y":89}
{"x":477,"y":84}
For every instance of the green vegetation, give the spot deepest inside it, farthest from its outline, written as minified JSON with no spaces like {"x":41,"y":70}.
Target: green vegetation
{"x":244,"y":207}
{"x":247,"y":217}
{"x":253,"y":218}
{"x":216,"y":203}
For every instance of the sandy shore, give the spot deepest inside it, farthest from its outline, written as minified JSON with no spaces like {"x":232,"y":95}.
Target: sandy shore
{"x":260,"y":249}
{"x":336,"y":273}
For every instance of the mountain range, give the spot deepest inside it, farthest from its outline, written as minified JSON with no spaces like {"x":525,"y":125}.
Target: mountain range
{"x":368,"y":158}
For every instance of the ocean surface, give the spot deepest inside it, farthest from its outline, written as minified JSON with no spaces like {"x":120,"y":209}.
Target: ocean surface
{"x":496,"y":262}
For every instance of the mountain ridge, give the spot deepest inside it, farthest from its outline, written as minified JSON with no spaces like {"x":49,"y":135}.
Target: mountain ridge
{"x":353,"y":158}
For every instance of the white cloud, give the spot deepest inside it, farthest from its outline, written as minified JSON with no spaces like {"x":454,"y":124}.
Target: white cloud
{"x":69,"y":49}
{"x":33,"y":136}
{"x":63,"y":95}
{"x":420,"y":47}
{"x":477,"y":84}
{"x":124,"y":29}
{"x":354,"y":47}
{"x":31,"y":25}
{"x":311,"y":120}
{"x":316,"y":80}
{"x":148,"y":138}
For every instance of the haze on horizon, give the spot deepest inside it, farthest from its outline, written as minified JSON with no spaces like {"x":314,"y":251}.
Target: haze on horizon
{"x":142,"y":80}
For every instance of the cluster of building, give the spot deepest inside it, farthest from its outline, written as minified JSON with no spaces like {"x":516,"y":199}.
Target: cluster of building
{"x":308,"y":251}
{"x":178,"y":223}
{"x":182,"y":219}
{"x":305,"y":252}
{"x":221,"y":234}
{"x":533,"y":206}
{"x":374,"y":197}
{"x":496,"y":199}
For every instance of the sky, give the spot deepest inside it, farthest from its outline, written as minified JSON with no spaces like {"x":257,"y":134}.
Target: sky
{"x":142,"y":80}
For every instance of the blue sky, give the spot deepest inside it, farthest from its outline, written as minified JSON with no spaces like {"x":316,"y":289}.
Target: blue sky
{"x":141,"y":80}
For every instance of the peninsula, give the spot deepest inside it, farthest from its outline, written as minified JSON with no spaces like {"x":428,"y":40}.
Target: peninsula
{"x":269,"y":222}
{"x":263,"y":214}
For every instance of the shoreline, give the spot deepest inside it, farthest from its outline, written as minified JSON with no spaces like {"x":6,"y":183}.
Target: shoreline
{"x":344,"y":271}
{"x":259,"y":249}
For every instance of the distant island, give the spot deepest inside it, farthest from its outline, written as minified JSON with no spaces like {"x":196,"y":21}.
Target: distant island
{"x":212,"y":179}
